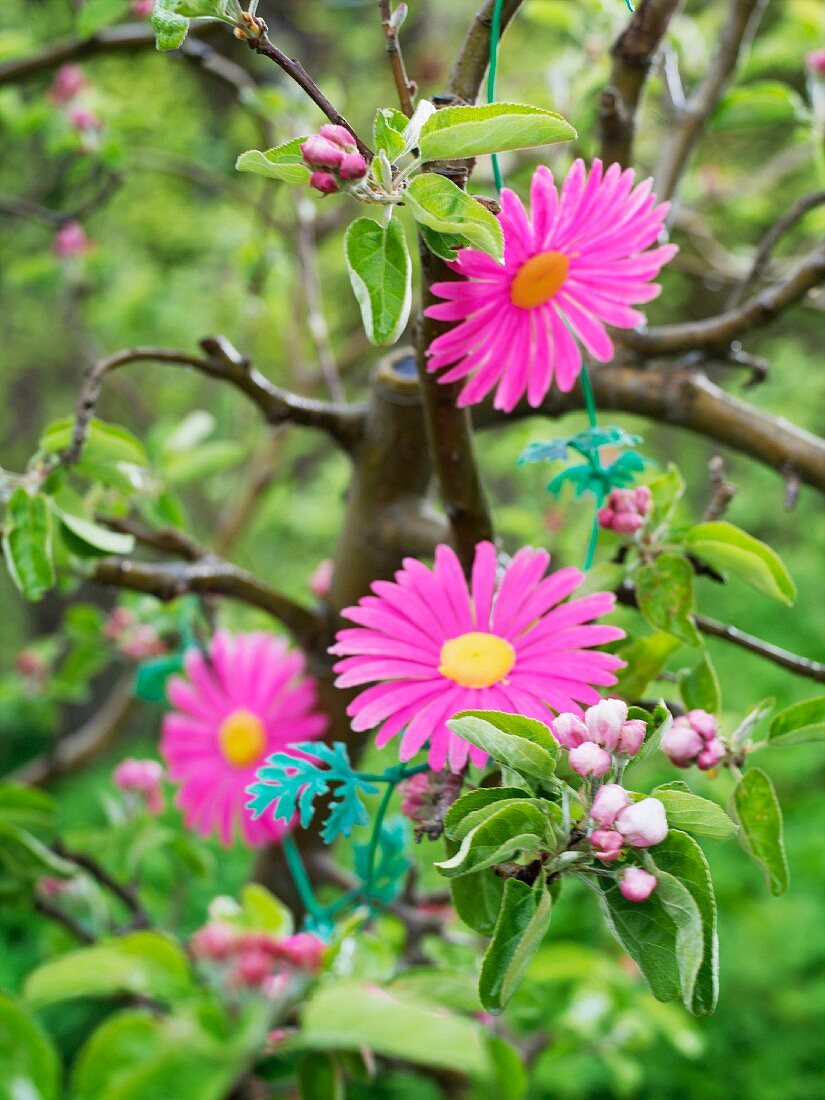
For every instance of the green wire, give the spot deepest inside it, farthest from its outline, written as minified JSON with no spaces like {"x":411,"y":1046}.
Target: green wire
{"x":589,"y":399}
{"x":300,"y":877}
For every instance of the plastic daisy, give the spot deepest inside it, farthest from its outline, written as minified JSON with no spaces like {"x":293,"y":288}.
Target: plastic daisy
{"x":248,"y":697}
{"x":436,"y":648}
{"x":577,"y":264}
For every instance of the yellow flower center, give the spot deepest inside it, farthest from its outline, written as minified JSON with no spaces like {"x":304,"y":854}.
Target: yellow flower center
{"x":476,"y":660}
{"x":539,"y":279}
{"x":242,"y":738}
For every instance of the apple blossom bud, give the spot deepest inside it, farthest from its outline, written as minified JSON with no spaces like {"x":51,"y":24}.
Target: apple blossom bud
{"x":704,"y":723}
{"x":569,"y":730}
{"x":681,"y":743}
{"x":643,"y":824}
{"x":142,"y":777}
{"x":605,"y":517}
{"x":815,"y":60}
{"x":302,"y":950}
{"x":83,"y":119}
{"x":70,"y":240}
{"x":49,"y":887}
{"x":636,"y":884}
{"x":589,"y":759}
{"x":320,"y":153}
{"x":415,"y":795}
{"x":68,"y":81}
{"x":710,"y":755}
{"x":607,"y":845}
{"x":631,"y":737}
{"x":610,"y":800}
{"x":643,"y":499}
{"x":625,"y":523}
{"x":320,"y":581}
{"x":142,"y":7}
{"x":352,"y":167}
{"x":340,"y":135}
{"x":324,"y":182}
{"x":604,"y":722}
{"x":251,"y":968}
{"x":215,"y":941}
{"x":142,"y":642}
{"x":29,"y":663}
{"x":625,"y":510}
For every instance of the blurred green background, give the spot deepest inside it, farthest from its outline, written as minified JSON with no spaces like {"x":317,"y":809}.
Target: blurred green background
{"x":181,"y":246}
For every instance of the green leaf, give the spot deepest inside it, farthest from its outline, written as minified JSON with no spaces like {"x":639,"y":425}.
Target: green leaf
{"x":27,"y":544}
{"x":520,"y":929}
{"x":646,"y":657}
{"x":91,"y":536}
{"x":799,"y":723}
{"x":320,"y":1077}
{"x":262,"y":910}
{"x":104,"y":443}
{"x":667,"y":491}
{"x":700,"y":686}
{"x":757,"y":810}
{"x":283,"y":162}
{"x":509,"y":745}
{"x":477,"y":897}
{"x":459,"y":132}
{"x":29,"y":1067}
{"x":731,"y":550}
{"x":444,"y":245}
{"x":26,"y":807}
{"x":170,"y":18}
{"x":688,"y":811}
{"x":664,"y":590}
{"x":440,"y":204}
{"x":388,"y":131}
{"x":146,"y":963}
{"x":648,"y":934}
{"x":760,"y":103}
{"x":467,"y":811}
{"x":96,"y":14}
{"x":24,"y":856}
{"x":203,"y":461}
{"x":380,"y":272}
{"x":514,"y":828}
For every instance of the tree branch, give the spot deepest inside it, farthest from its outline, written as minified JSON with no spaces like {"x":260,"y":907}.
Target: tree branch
{"x":126,"y":894}
{"x":718,"y":332}
{"x":474,"y":56}
{"x":688,"y":399}
{"x":403,"y":85}
{"x":59,"y":916}
{"x":633,"y":53}
{"x":685,"y":131}
{"x":221,"y":361}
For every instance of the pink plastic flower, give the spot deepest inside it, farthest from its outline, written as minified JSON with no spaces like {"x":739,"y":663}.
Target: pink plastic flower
{"x":575,"y":265}
{"x":143,"y":777}
{"x":433,"y":647}
{"x":247,"y":699}
{"x":636,"y":884}
{"x":815,"y":60}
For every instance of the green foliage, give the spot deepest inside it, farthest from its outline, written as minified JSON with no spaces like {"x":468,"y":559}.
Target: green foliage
{"x":804,"y":721}
{"x":756,"y":808}
{"x":29,"y":1067}
{"x":495,"y":128}
{"x":439,"y":204}
{"x":665,"y":593}
{"x":283,"y":162}
{"x":750,"y":560}
{"x":522,"y":744}
{"x":522,"y":923}
{"x":380,"y":273}
{"x":27,"y":543}
{"x":700,"y":686}
{"x":692,"y":813}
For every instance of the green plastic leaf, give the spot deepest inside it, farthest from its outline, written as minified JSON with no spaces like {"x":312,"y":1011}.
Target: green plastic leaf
{"x":91,"y":536}
{"x":520,"y":929}
{"x":688,"y":811}
{"x":509,"y":745}
{"x":440,"y":204}
{"x":799,"y":723}
{"x":646,"y":657}
{"x":380,"y":272}
{"x":29,"y":1066}
{"x":283,"y":162}
{"x":388,"y":132}
{"x":664,"y":590}
{"x":27,"y":544}
{"x":700,"y":686}
{"x":320,"y":1077}
{"x":458,"y":132}
{"x":146,"y":963}
{"x":757,"y":810}
{"x":731,"y":550}
{"x":516,"y":827}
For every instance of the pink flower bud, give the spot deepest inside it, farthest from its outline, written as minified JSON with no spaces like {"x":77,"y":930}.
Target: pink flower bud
{"x":415,"y":795}
{"x":320,"y":153}
{"x":607,"y":845}
{"x":352,"y":167}
{"x":643,"y":499}
{"x":120,"y":618}
{"x":609,"y":802}
{"x":590,"y":759}
{"x":631,"y":737}
{"x":276,"y":1038}
{"x":215,"y":941}
{"x":644,"y":823}
{"x":302,"y":950}
{"x":142,"y":642}
{"x":29,"y":663}
{"x":569,"y":730}
{"x":70,"y":240}
{"x":636,"y":884}
{"x":626,"y":509}
{"x":606,"y":516}
{"x":324,"y":182}
{"x":83,"y":119}
{"x":815,"y":60}
{"x":251,"y":968}
{"x":320,"y":581}
{"x":604,"y":722}
{"x":681,"y":743}
{"x":68,"y":81}
{"x":626,"y":523}
{"x":48,"y":887}
{"x":710,"y":755}
{"x":142,"y":8}
{"x":340,"y":135}
{"x":704,"y":724}
{"x":143,"y":777}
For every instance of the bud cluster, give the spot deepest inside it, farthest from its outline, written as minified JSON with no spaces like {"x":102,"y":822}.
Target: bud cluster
{"x":143,"y":778}
{"x":134,"y":639}
{"x":626,"y":510}
{"x":694,"y":739}
{"x":619,"y":823}
{"x":256,"y":960}
{"x":333,"y":156}
{"x":603,"y":734}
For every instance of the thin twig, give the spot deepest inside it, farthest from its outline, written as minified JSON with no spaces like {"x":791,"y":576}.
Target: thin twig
{"x":59,"y":916}
{"x":403,"y":84}
{"x":307,"y":246}
{"x":722,"y":490}
{"x":766,"y":246}
{"x":124,"y":893}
